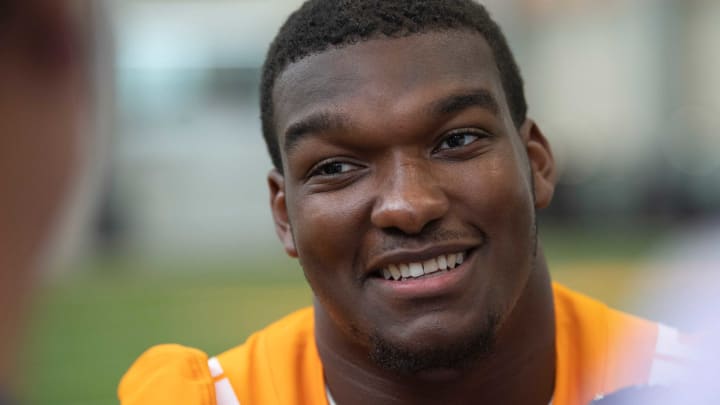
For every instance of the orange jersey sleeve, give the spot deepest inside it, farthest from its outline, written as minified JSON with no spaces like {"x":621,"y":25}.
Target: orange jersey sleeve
{"x":168,"y":375}
{"x":599,"y":350}
{"x":278,"y":365}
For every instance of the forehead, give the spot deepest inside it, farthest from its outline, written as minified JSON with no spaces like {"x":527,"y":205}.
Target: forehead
{"x":385,"y":75}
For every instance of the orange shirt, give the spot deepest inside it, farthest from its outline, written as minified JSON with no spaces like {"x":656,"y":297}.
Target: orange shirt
{"x":599,"y":351}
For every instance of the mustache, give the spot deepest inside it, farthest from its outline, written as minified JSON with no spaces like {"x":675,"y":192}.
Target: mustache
{"x":396,"y":239}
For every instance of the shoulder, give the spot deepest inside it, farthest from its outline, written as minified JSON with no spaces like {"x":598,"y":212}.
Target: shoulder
{"x":284,"y":337}
{"x":168,"y":374}
{"x":283,"y":353}
{"x":278,"y":364}
{"x":622,"y":337}
{"x":593,"y":322}
{"x":611,"y":350}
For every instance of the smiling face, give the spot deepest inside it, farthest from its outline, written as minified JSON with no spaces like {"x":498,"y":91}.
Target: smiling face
{"x":401,"y":160}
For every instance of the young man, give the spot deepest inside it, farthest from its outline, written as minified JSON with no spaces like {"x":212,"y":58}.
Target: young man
{"x":407,"y":179}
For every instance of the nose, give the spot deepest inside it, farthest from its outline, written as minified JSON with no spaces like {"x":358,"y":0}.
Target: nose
{"x":409,"y":199}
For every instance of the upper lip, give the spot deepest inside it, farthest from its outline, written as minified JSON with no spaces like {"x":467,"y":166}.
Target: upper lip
{"x":399,"y":256}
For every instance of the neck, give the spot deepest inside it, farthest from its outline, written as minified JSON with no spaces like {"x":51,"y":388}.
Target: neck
{"x":521,"y":370}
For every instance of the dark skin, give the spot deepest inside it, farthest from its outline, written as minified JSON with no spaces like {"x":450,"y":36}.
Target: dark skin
{"x":396,"y":151}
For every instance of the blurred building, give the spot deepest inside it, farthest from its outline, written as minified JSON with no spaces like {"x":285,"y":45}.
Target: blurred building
{"x":626,"y":91}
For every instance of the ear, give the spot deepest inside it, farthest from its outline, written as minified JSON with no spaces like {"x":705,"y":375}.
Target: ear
{"x":278,"y":205}
{"x":542,"y":163}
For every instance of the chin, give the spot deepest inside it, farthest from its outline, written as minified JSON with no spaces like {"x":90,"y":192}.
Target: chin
{"x":413,"y":355}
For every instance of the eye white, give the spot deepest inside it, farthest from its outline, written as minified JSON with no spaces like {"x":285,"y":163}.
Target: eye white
{"x":346,"y":167}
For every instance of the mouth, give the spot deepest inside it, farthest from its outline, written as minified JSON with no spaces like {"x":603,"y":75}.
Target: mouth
{"x":413,"y":270}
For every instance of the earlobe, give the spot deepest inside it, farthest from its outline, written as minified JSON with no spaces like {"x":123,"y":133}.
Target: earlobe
{"x":542,"y":163}
{"x":278,"y":205}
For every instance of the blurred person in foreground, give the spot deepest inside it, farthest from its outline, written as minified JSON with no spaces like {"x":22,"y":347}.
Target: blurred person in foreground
{"x":407,"y":181}
{"x":43,"y":103}
{"x":687,"y":263}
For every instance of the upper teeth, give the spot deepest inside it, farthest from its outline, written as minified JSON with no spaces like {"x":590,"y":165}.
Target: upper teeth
{"x":418,"y":269}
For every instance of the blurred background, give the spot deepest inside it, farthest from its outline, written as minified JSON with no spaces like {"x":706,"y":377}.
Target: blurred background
{"x":168,"y":235}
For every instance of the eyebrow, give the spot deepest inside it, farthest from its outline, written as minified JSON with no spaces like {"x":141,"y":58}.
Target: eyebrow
{"x":324,"y":121}
{"x":457,"y":102}
{"x":314,"y":124}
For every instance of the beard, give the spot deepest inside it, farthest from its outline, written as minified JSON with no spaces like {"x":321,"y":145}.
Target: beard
{"x":456,"y":356}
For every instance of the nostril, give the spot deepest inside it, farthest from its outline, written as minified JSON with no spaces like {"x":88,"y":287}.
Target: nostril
{"x":394,"y":232}
{"x":428,"y":228}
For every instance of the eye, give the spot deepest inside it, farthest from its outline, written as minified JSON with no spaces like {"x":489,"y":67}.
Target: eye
{"x":459,"y":139}
{"x":332,"y":169}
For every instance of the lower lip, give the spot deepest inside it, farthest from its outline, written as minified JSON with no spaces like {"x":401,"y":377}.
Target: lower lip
{"x":432,"y":285}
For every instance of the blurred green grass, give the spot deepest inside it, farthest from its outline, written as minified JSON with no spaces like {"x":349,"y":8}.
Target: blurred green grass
{"x":87,"y":328}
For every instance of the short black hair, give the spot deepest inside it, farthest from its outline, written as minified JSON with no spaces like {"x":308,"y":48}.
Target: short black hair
{"x":319,"y":25}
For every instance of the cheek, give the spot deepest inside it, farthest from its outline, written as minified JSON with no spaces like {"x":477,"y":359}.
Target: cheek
{"x":328,"y":231}
{"x":327,"y":234}
{"x":499,"y":202}
{"x":498,"y":194}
